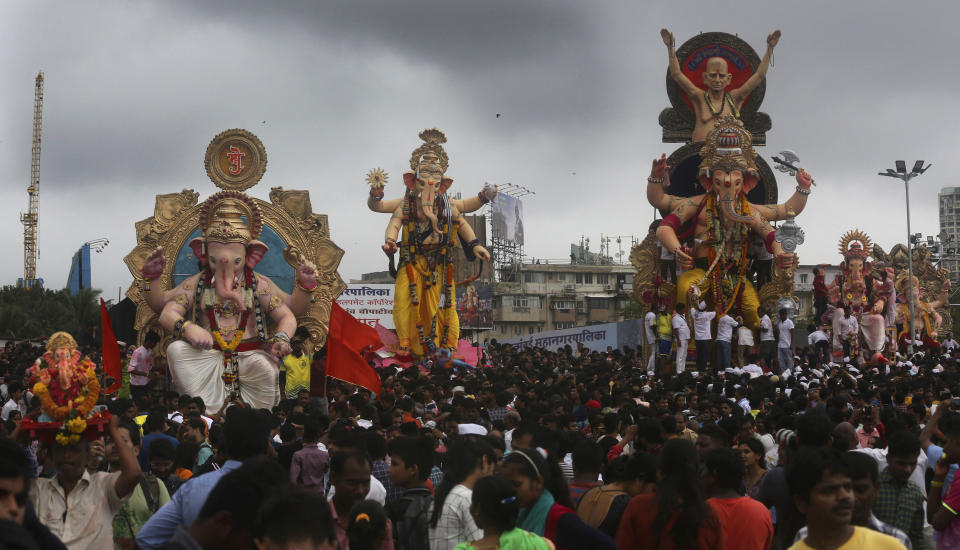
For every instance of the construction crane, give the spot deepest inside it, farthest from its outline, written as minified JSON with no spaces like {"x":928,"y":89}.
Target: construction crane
{"x":29,"y":219}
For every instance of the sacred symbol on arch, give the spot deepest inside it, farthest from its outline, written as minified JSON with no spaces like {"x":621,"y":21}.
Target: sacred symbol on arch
{"x":235,"y":160}
{"x":235,"y":157}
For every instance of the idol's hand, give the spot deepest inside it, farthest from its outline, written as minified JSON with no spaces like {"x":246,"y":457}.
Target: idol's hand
{"x":669,"y":41}
{"x":198,"y":336}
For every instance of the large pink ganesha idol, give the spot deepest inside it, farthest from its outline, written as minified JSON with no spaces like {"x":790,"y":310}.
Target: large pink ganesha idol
{"x":218,"y":316}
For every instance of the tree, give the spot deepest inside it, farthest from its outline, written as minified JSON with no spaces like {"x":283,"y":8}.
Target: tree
{"x":633,"y":310}
{"x":38,"y":312}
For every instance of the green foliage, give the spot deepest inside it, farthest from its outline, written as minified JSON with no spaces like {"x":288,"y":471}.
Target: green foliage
{"x":38,"y":313}
{"x":634,"y":310}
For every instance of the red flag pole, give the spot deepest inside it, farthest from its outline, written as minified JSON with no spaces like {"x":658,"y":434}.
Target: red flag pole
{"x":109,"y":350}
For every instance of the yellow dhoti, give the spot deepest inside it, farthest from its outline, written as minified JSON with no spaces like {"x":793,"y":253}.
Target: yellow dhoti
{"x":440,"y":322}
{"x":749,"y":301}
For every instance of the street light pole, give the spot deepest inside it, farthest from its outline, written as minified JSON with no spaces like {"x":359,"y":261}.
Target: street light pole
{"x":902,"y":174}
{"x":906,"y":186}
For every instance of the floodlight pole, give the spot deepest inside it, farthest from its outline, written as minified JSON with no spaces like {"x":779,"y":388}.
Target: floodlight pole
{"x":902,"y":174}
{"x":906,"y":185}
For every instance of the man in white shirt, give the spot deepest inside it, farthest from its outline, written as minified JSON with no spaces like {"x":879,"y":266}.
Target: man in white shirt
{"x":847,"y":328}
{"x":785,"y":344}
{"x":650,"y":339}
{"x":702,"y":333}
{"x":745,"y":342}
{"x":78,"y":506}
{"x":819,"y":343}
{"x":725,"y":326}
{"x":15,"y":403}
{"x":768,"y":341}
{"x":949,"y":344}
{"x":681,"y":335}
{"x":752,"y":368}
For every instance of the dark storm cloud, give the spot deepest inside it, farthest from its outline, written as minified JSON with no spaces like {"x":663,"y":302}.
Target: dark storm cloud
{"x":333,"y":89}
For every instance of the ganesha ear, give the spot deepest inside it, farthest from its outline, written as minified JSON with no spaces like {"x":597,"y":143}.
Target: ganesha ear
{"x":705,"y":180}
{"x":256,"y":250}
{"x":750,"y":180}
{"x":409,"y":179}
{"x":198,"y":251}
{"x":445,"y":184}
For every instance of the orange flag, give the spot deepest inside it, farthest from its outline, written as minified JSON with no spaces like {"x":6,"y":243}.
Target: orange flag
{"x":109,"y":350}
{"x":347,"y":340}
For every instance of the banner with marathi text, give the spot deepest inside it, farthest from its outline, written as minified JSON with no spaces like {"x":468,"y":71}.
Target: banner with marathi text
{"x":594,"y":337}
{"x":369,"y":303}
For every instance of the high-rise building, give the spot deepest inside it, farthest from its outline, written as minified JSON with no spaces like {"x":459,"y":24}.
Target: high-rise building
{"x":950,"y":230}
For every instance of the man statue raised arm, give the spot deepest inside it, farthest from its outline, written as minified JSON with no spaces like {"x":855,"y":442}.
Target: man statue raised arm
{"x":716,"y":101}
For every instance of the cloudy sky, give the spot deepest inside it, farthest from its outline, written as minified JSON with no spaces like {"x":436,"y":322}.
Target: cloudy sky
{"x":135,"y":91}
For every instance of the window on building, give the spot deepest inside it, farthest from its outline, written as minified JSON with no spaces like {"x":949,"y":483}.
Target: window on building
{"x":564,"y":305}
{"x":562,"y":325}
{"x":588,"y":278}
{"x":803,"y":278}
{"x":522,"y":301}
{"x":598,"y":303}
{"x":550,"y":275}
{"x":534,"y":277}
{"x":518,"y":329}
{"x":603,"y":279}
{"x":579,"y":278}
{"x":580,"y":307}
{"x":531,"y":329}
{"x":561,"y":276}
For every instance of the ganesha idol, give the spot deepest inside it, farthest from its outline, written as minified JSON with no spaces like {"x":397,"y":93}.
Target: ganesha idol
{"x":425,"y":227}
{"x":868,"y":299}
{"x":218,"y":316}
{"x":720,"y":223}
{"x":68,"y":389}
{"x":928,"y":320}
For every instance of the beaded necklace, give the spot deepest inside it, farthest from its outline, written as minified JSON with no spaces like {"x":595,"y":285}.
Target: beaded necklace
{"x":725,"y":287}
{"x":412,"y":249}
{"x":231,"y":364}
{"x":727,"y":98}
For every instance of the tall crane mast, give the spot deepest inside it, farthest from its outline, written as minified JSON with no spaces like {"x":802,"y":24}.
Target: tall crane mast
{"x":29,"y":219}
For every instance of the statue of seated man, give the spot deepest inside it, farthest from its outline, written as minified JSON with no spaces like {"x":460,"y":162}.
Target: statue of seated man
{"x":716,"y":101}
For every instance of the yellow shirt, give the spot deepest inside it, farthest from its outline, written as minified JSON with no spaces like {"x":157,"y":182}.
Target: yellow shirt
{"x":664,"y":326}
{"x":862,"y":539}
{"x":298,"y":374}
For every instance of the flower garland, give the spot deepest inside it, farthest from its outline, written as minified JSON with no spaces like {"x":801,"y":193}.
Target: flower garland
{"x":412,"y":250}
{"x":74,"y":412}
{"x":724,"y":286}
{"x":231,"y":366}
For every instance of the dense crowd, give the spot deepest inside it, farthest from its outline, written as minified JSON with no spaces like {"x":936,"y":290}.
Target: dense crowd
{"x":535,"y":449}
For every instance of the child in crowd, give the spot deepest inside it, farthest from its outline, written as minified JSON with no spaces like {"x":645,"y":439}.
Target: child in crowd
{"x":495,"y":509}
{"x":545,"y":503}
{"x":411,"y":460}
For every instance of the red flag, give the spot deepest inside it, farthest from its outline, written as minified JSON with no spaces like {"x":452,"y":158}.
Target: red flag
{"x":346,"y":342}
{"x":109,"y":350}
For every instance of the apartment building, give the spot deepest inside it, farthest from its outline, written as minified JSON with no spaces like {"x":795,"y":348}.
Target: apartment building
{"x":558,"y":296}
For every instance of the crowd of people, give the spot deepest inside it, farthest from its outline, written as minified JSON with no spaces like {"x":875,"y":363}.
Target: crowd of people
{"x":535,"y":449}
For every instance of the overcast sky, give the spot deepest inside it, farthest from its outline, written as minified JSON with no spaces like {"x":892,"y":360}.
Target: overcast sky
{"x":135,"y":91}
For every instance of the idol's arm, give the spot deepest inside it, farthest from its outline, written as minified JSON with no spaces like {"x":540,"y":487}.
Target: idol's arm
{"x":676,"y":74}
{"x":794,"y":205}
{"x":740,"y":94}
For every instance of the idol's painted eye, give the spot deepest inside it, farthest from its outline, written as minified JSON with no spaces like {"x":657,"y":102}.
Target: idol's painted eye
{"x":236,"y":261}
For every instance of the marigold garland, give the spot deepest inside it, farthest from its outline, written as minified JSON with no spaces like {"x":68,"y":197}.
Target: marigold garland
{"x":61,"y":412}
